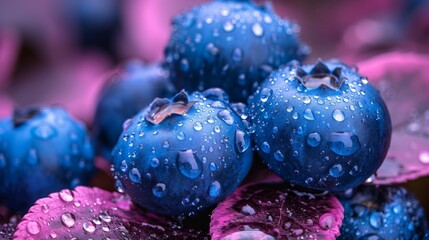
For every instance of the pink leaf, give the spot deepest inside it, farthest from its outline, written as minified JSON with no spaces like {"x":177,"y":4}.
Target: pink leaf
{"x":94,"y":213}
{"x":276,"y":211}
{"x":403,"y":80}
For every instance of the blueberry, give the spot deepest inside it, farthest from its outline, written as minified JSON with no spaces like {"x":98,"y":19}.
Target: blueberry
{"x":184,"y":154}
{"x":42,"y":150}
{"x":124,"y":96}
{"x":320,"y":126}
{"x":230,"y":44}
{"x":382,"y":212}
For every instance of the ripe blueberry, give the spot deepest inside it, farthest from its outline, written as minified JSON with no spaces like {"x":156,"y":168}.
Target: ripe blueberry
{"x":230,"y":44}
{"x":42,"y":150}
{"x":184,"y":154}
{"x":123,"y":97}
{"x":320,"y":126}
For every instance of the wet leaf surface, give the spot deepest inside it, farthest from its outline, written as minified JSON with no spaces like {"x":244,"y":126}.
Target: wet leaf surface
{"x":276,"y":211}
{"x":403,"y":80}
{"x":97,"y":214}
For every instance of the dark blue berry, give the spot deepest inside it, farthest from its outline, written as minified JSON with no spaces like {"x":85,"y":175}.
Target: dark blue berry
{"x":42,"y":150}
{"x":382,"y":212}
{"x":230,"y":44}
{"x":320,"y":126}
{"x":124,"y":96}
{"x":184,"y":154}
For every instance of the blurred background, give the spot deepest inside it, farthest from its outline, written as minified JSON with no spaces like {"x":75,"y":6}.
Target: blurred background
{"x":62,"y":51}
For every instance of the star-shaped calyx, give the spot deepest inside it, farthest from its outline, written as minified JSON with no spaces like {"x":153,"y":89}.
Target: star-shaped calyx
{"x":22,"y":115}
{"x":321,"y":76}
{"x":162,"y":108}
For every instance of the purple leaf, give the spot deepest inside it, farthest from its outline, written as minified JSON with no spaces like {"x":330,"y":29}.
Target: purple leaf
{"x":276,"y":211}
{"x":403,"y":80}
{"x":94,"y":213}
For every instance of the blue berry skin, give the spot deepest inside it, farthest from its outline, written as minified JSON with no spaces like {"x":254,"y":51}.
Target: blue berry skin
{"x":382,"y":212}
{"x":129,"y":91}
{"x":42,"y":150}
{"x":184,"y":154}
{"x":320,"y":126}
{"x":230,"y":44}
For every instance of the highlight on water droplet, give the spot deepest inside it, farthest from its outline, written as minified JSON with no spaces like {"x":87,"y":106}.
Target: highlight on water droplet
{"x":338,"y":115}
{"x":242,"y":141}
{"x":159,"y":190}
{"x":66,"y":195}
{"x":33,"y":227}
{"x":188,"y":164}
{"x":135,"y":175}
{"x":68,"y":219}
{"x":214,"y":189}
{"x":343,"y":143}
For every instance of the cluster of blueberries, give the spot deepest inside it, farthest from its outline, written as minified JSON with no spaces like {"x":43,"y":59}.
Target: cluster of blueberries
{"x":320,"y":126}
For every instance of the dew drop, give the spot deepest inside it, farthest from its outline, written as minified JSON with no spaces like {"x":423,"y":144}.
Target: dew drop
{"x":44,"y":132}
{"x":180,"y":136}
{"x":265,"y":147}
{"x":343,"y":143}
{"x":154,"y":162}
{"x":124,"y":166}
{"x":184,"y":65}
{"x":228,"y":26}
{"x":327,"y":221}
{"x":105,"y":217}
{"x":66,"y":195}
{"x":338,"y":115}
{"x":278,"y":155}
{"x":119,"y":187}
{"x":265,"y":94}
{"x":215,"y":189}
{"x":198,"y":126}
{"x":134,"y":175}
{"x":68,"y":219}
{"x":424,"y":157}
{"x":295,"y":115}
{"x":33,"y":227}
{"x":212,"y":166}
{"x":306,"y":100}
{"x":289,"y":109}
{"x":308,"y":114}
{"x":225,"y":116}
{"x":314,"y":139}
{"x":248,"y":210}
{"x":336,"y":170}
{"x":257,"y":29}
{"x":375,"y":220}
{"x":237,"y":55}
{"x":242,"y":141}
{"x":45,"y":208}
{"x":159,"y":190}
{"x":88,"y":226}
{"x":188,"y":164}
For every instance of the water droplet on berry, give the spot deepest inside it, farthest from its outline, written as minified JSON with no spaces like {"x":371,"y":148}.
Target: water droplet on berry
{"x":314,"y":139}
{"x":265,"y":147}
{"x":225,"y":116}
{"x":184,"y":65}
{"x":212,"y":166}
{"x":237,"y":55}
{"x":180,"y":136}
{"x":257,"y":29}
{"x":375,"y":220}
{"x":295,"y":115}
{"x":338,"y":115}
{"x":278,"y":155}
{"x":265,"y":94}
{"x":44,"y":132}
{"x":88,"y":226}
{"x":308,"y":114}
{"x":124,"y":166}
{"x":242,"y":141}
{"x":228,"y":26}
{"x":306,"y":100}
{"x":134,"y":175}
{"x":215,"y":189}
{"x":119,"y":187}
{"x":154,"y":162}
{"x":343,"y":143}
{"x":33,"y":227}
{"x":336,"y":170}
{"x":66,"y":195}
{"x":188,"y":164}
{"x":68,"y":219}
{"x":159,"y":190}
{"x":198,"y":126}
